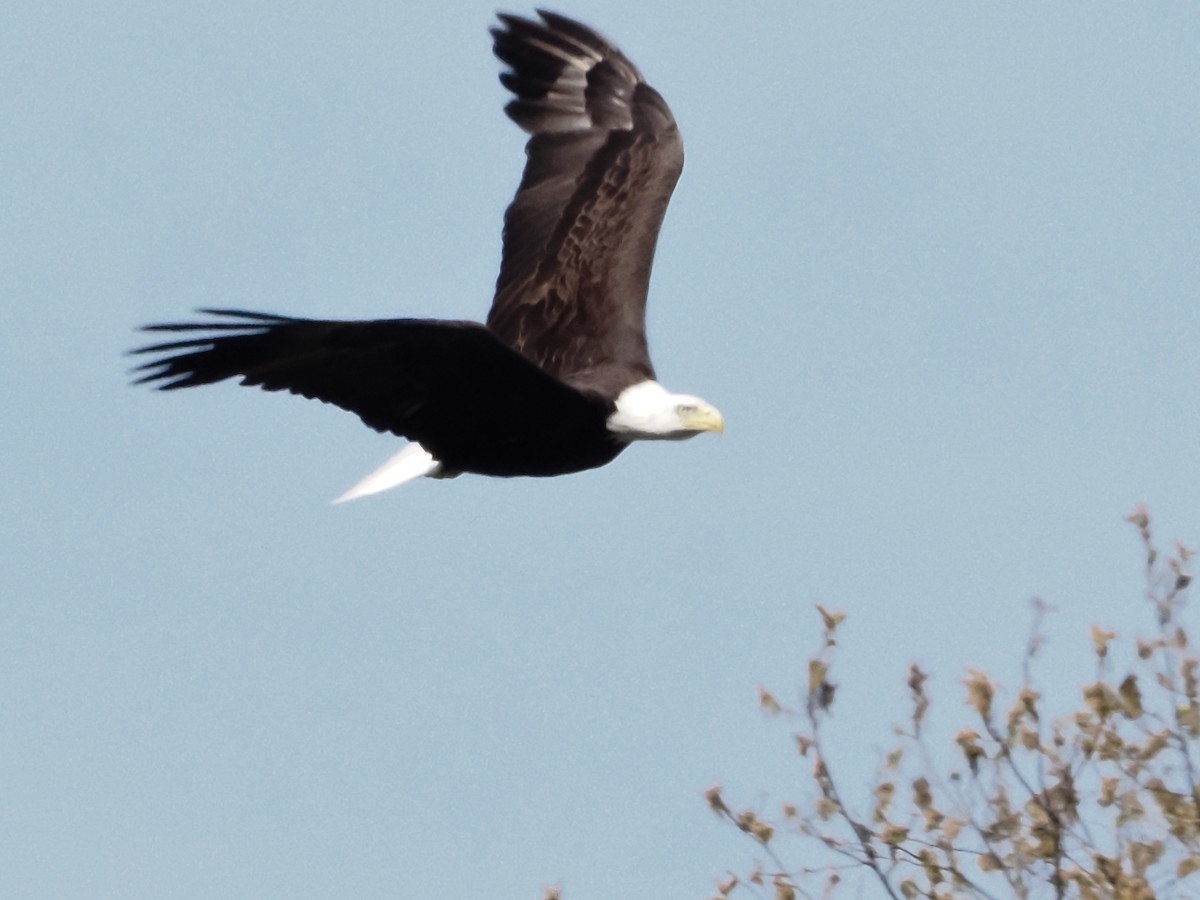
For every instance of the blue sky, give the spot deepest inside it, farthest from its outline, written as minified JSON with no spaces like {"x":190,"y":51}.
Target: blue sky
{"x":937,"y":264}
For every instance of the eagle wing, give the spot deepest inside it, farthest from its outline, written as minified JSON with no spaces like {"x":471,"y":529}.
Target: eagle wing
{"x":603,"y":157}
{"x":447,"y":385}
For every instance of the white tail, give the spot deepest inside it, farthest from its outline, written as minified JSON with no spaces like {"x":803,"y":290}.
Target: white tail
{"x":411,"y":462}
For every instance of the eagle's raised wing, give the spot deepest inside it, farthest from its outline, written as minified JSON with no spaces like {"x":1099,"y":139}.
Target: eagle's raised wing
{"x":603,"y":157}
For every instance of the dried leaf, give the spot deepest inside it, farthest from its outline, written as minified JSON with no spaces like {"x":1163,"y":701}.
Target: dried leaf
{"x":1131,"y":697}
{"x":1154,"y":745}
{"x":1183,"y":821}
{"x":767,"y":702}
{"x":883,"y":799}
{"x":1107,"y":868}
{"x":1108,"y":790}
{"x":968,"y":740}
{"x":1188,"y":865}
{"x":1144,"y":854}
{"x":824,"y":698}
{"x":715,"y":803}
{"x":1111,"y":747}
{"x":1028,"y":739}
{"x":979,"y":692}
{"x":922,"y":795}
{"x":1100,"y":639}
{"x":1140,"y":518}
{"x":930,"y":864}
{"x":817,"y":670}
{"x":934,"y":819}
{"x":1102,"y":699}
{"x":1005,"y":826}
{"x":1189,"y":718}
{"x":1189,"y":668}
{"x":951,"y":828}
{"x":762,"y":831}
{"x":920,"y":700}
{"x":990,"y":862}
{"x":1129,"y":807}
{"x":831,"y":619}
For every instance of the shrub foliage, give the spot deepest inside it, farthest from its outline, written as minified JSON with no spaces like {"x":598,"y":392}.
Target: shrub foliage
{"x":1101,"y":803}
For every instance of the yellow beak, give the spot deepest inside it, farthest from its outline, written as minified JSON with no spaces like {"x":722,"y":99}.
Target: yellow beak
{"x":705,"y":418}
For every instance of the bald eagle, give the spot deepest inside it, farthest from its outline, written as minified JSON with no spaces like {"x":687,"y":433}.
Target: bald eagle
{"x":559,"y":378}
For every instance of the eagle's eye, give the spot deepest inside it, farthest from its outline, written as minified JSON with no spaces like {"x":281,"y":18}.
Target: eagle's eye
{"x":685,"y":409}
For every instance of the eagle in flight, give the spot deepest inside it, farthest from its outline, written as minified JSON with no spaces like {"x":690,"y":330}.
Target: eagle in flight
{"x":559,"y":377}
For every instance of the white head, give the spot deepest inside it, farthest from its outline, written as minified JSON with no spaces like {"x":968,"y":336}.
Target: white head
{"x":648,"y":411}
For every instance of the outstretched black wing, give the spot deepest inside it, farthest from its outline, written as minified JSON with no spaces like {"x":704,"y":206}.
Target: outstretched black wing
{"x":452,"y":386}
{"x":602,"y":160}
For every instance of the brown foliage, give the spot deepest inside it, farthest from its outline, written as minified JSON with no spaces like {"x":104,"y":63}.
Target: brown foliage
{"x":1102,"y":803}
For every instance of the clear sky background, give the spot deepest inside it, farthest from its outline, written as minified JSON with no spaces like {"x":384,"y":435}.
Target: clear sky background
{"x":937,"y":263}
